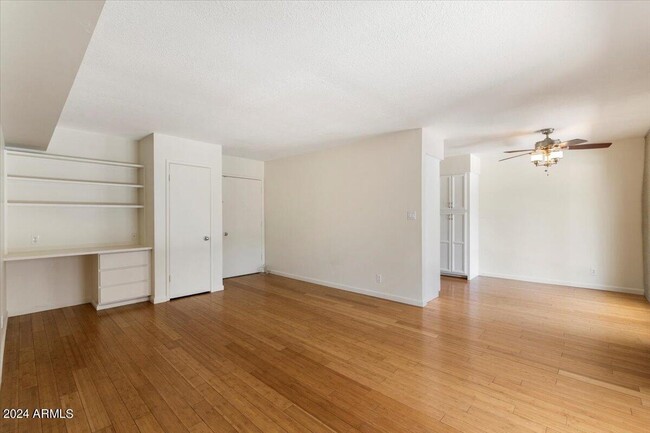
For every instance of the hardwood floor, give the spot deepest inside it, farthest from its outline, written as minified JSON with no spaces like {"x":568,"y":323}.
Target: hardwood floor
{"x":270,"y":354}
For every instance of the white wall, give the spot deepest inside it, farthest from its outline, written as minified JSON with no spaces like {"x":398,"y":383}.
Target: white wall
{"x":585,"y":215}
{"x":45,"y":284}
{"x":157,"y":151}
{"x":243,"y":167}
{"x":460,"y":164}
{"x":338,"y":217}
{"x":430,"y":227}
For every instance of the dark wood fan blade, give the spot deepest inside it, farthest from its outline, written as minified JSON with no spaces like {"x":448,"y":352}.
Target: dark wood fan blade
{"x":515,"y":151}
{"x":516,"y":156}
{"x":572,"y":142}
{"x":590,"y":146}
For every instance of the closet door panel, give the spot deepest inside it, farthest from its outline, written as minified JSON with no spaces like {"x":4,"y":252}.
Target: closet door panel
{"x":458,"y":198}
{"x":459,"y":234}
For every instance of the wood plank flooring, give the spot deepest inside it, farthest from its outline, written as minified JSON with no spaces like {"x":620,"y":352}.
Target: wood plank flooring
{"x":271,"y":354}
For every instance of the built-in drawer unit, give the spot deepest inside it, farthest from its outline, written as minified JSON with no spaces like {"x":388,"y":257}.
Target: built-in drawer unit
{"x":122,"y":278}
{"x":115,"y":277}
{"x":123,"y":260}
{"x":123,"y":292}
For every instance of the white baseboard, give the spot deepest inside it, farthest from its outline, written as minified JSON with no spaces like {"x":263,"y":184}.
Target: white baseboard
{"x":3,"y":338}
{"x":426,"y":301}
{"x":631,"y":290}
{"x":120,"y":303}
{"x":54,"y":306}
{"x":367,"y":292}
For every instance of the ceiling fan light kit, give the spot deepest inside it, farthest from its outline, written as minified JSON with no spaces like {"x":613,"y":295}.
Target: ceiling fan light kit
{"x":549,"y":151}
{"x":546,"y":158}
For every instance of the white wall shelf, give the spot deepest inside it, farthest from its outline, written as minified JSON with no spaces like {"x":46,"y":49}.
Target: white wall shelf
{"x":69,"y":252}
{"x":73,"y":181}
{"x":32,"y":154}
{"x":72,"y":204}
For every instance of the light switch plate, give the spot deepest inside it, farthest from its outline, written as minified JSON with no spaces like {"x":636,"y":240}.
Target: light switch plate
{"x":411,"y":215}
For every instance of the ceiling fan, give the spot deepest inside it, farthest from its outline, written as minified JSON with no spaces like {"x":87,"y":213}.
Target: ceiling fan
{"x":548,"y":151}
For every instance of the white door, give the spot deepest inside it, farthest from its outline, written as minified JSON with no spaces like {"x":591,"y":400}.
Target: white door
{"x":458,"y":192}
{"x":190,"y":215}
{"x":242,"y":226}
{"x":458,"y":229}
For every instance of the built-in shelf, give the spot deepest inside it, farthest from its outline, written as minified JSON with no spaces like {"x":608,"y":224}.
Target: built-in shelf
{"x":73,"y":181}
{"x":71,"y":204}
{"x":69,"y":252}
{"x":46,"y":196}
{"x":31,"y":154}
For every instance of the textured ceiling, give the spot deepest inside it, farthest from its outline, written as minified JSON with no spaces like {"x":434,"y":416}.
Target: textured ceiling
{"x":272,"y":79}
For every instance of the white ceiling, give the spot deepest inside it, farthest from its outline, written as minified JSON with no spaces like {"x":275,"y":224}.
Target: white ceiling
{"x":42,"y":45}
{"x":272,"y":79}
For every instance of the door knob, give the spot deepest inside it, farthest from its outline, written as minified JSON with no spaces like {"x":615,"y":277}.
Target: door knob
{"x":206,"y":238}
{"x":225,"y":233}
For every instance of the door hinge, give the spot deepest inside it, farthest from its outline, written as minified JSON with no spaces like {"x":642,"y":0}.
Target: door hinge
{"x":170,"y":278}
{"x":169,"y":177}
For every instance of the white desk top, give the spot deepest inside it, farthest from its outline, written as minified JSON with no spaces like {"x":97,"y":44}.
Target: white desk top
{"x":46,"y":254}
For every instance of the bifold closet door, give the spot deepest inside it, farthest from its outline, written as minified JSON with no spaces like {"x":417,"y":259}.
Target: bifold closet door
{"x":190,"y":215}
{"x":242,"y":225}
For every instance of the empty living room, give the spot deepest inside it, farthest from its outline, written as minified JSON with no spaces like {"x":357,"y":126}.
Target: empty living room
{"x":324,"y":216}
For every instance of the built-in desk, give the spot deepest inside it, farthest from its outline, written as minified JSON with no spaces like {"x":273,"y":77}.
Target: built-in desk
{"x":48,"y":254}
{"x":121,"y":274}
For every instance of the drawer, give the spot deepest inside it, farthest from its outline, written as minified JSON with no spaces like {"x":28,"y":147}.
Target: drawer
{"x":123,"y":260}
{"x":124,"y":292}
{"x":114,"y":277}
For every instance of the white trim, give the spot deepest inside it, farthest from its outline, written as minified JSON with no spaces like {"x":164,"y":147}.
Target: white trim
{"x":242,"y":177}
{"x":74,"y":181}
{"x":434,"y":296}
{"x":120,"y":303}
{"x":71,"y":204}
{"x":55,"y":306}
{"x":3,"y":337}
{"x":634,"y":291}
{"x":218,"y":289}
{"x":47,"y":254}
{"x":373,"y":293}
{"x":159,"y":300}
{"x":36,"y":154}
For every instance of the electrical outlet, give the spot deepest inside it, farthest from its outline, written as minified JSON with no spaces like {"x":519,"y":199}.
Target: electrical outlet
{"x":411,"y":215}
{"x":35,"y":239}
{"x":378,"y":278}
{"x":593,"y":272}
